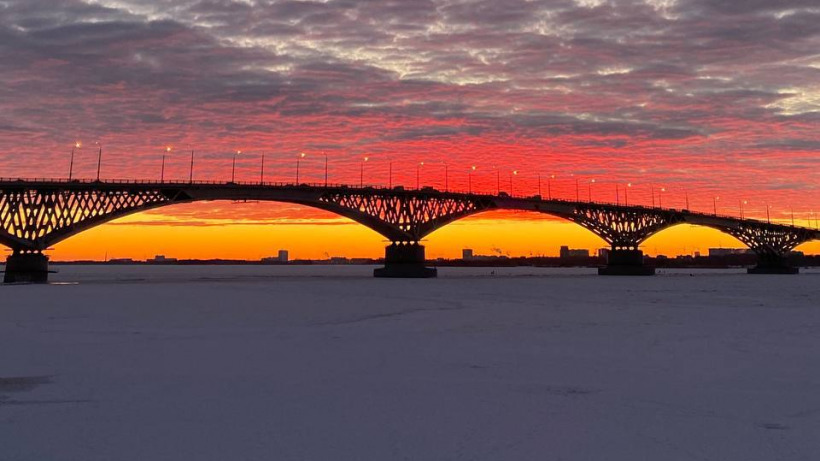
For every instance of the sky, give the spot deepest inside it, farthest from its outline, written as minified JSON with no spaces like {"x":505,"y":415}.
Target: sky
{"x":712,"y":101}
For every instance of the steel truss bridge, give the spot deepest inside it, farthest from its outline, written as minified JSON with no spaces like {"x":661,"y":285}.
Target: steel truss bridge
{"x":38,"y":213}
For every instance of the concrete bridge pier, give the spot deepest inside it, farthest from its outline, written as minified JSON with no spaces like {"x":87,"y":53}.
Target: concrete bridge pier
{"x":405,"y":260}
{"x":772,"y":264}
{"x":26,"y":267}
{"x":625,"y":262}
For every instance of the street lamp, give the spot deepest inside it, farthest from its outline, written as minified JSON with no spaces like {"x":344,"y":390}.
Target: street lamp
{"x":539,"y":186}
{"x":591,"y":182}
{"x":77,"y":145}
{"x":361,"y":171}
{"x":577,"y":190}
{"x":191,"y":172}
{"x":298,"y":159}
{"x":446,"y":178}
{"x":390,"y":174}
{"x":262,"y":170}
{"x":512,"y":173}
{"x":626,"y":193}
{"x":233,"y":165}
{"x":549,"y":186}
{"x":162,"y":170}
{"x":418,"y":174}
{"x":470,"y":179}
{"x":741,"y":203}
{"x":660,"y":197}
{"x":714,"y":204}
{"x":99,"y":160}
{"x":325,"y":154}
{"x":768,"y":217}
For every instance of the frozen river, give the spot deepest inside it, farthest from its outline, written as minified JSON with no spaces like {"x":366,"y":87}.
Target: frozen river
{"x":328,"y":363}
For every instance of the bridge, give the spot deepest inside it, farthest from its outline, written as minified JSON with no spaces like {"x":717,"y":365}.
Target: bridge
{"x":36,"y":214}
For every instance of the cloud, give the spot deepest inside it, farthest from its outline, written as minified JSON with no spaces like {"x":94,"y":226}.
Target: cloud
{"x":670,"y":86}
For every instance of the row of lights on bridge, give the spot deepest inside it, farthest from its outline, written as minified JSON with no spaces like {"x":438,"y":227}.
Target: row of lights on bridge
{"x":470,"y":173}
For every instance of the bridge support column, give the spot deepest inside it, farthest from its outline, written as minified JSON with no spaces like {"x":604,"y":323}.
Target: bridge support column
{"x":404,"y":260}
{"x":26,"y":267}
{"x":625,"y":262}
{"x":772,"y":264}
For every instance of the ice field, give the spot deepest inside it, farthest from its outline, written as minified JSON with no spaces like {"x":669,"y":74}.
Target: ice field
{"x":328,"y":363}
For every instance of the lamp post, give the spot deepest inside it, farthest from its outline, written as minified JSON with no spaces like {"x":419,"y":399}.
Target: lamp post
{"x":539,"y":186}
{"x":262,"y":170}
{"x":162,"y":169}
{"x":497,"y":181}
{"x":591,"y":182}
{"x":512,"y":173}
{"x":233,"y":165}
{"x":76,"y":145}
{"x":390,"y":174}
{"x":361,"y":171}
{"x":470,"y":179}
{"x":418,"y":174}
{"x":768,"y":217}
{"x":298,"y":159}
{"x":626,"y":193}
{"x":660,"y":197}
{"x":741,"y":203}
{"x":446,"y":178}
{"x":325,"y":154}
{"x":99,"y":160}
{"x":191,"y":172}
{"x":714,"y":204}
{"x":549,"y":186}
{"x":577,"y":191}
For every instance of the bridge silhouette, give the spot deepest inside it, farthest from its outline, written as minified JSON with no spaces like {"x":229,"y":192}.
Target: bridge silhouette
{"x":36,"y":214}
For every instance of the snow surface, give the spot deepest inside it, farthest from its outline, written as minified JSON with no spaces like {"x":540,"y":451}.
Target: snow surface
{"x":328,"y":363}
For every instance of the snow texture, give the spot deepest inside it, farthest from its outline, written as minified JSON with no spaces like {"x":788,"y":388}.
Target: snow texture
{"x":328,"y":363}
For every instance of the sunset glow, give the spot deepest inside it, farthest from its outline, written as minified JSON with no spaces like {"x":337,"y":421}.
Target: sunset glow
{"x":706,"y":105}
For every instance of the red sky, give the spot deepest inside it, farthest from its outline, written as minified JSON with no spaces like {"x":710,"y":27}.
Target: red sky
{"x":703,"y":98}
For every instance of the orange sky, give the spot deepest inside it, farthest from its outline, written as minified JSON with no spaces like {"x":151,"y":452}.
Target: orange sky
{"x":324,"y":235}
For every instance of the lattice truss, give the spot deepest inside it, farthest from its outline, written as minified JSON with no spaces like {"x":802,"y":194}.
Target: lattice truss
{"x":623,"y":228}
{"x":771,"y":240}
{"x":33,"y":219}
{"x":413,"y":215}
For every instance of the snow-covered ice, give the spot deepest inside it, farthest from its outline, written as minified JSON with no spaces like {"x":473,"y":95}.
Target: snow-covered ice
{"x":315,"y":363}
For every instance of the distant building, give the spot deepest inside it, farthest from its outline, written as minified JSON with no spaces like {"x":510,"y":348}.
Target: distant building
{"x":728,"y":251}
{"x":161,"y":259}
{"x":120,"y":260}
{"x":467,"y":254}
{"x":566,"y":252}
{"x":282,"y":257}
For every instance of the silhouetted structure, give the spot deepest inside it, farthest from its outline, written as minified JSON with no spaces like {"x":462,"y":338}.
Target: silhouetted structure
{"x":36,"y":214}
